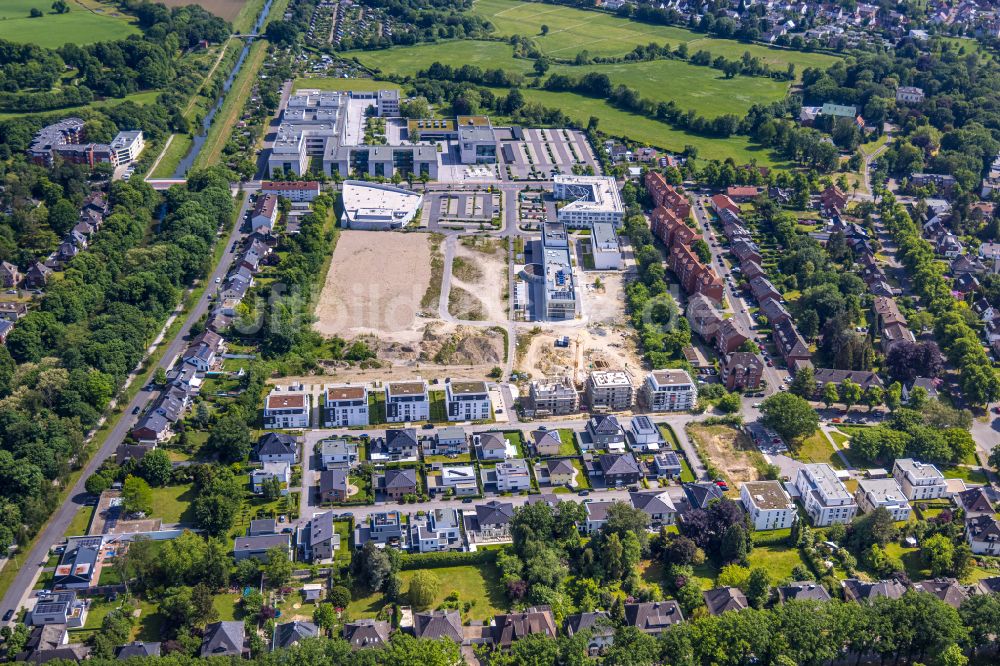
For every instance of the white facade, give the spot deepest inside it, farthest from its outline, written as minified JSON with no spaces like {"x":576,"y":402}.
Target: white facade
{"x":298,"y":191}
{"x":605,"y":248}
{"x":768,"y":504}
{"x":407,"y":401}
{"x":513,"y":475}
{"x":919,"y":481}
{"x":609,"y":390}
{"x":377,"y":206}
{"x":467,"y":401}
{"x":875,"y":493}
{"x":271,"y":470}
{"x":127,"y":146}
{"x":669,"y":391}
{"x":590,"y":199}
{"x":346,"y":406}
{"x":825,"y":498}
{"x":287,"y":410}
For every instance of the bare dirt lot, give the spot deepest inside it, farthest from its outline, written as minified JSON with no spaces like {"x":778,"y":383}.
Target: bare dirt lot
{"x":729,"y":449}
{"x":375,"y":284}
{"x":603,"y":340}
{"x":479,"y":272}
{"x":226,"y":9}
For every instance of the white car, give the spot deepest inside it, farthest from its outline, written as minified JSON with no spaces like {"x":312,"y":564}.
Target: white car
{"x":218,"y":280}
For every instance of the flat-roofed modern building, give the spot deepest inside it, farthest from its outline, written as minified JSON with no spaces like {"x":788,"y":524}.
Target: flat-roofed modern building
{"x":477,"y":141}
{"x":668,"y":391}
{"x":590,"y":199}
{"x":605,"y":248}
{"x":345,"y":406}
{"x":609,"y":391}
{"x":560,"y":284}
{"x":874,"y":493}
{"x":824,"y":496}
{"x":555,"y":397}
{"x":377,"y":206}
{"x":919,"y":481}
{"x":127,"y":146}
{"x":768,"y":504}
{"x":467,"y":401}
{"x":286,"y":409}
{"x":407,"y":401}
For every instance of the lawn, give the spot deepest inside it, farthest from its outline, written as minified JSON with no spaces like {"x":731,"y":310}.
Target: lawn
{"x":568,"y":445}
{"x":479,"y":585}
{"x":968,"y":474}
{"x":343,"y":528}
{"x":227,"y":606}
{"x":78,"y":26}
{"x":172,"y":504}
{"x":81,"y":521}
{"x":817,"y":449}
{"x":408,"y":60}
{"x":573,"y":30}
{"x":778,"y":560}
{"x":335,"y":84}
{"x":517,"y":439}
{"x":582,"y":480}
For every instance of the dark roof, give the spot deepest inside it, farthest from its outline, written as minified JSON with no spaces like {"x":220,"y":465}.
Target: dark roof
{"x":983,"y":528}
{"x":333,"y":479}
{"x":290,"y":633}
{"x":653,"y":617}
{"x":859,"y":590}
{"x":652,"y":501}
{"x":494,"y":513}
{"x":799,"y":590}
{"x":401,"y":438}
{"x":975,"y":500}
{"x":559,"y":466}
{"x":260,"y":543}
{"x":276,"y":444}
{"x":605,"y":424}
{"x":223,"y":639}
{"x":599,"y":624}
{"x":723,"y":599}
{"x":137,"y":649}
{"x":700,"y":494}
{"x":539,"y":437}
{"x":947,"y":590}
{"x":513,"y":626}
{"x":438,"y":624}
{"x":367,"y":633}
{"x":400,"y":478}
{"x":618,"y":463}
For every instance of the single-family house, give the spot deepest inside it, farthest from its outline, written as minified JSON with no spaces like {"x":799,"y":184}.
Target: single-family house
{"x":275,"y":447}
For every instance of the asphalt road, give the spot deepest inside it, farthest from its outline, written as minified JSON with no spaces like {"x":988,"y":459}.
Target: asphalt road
{"x":56,"y":528}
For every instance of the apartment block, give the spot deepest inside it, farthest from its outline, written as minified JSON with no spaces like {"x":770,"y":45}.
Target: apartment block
{"x":286,"y":409}
{"x":345,"y":406}
{"x":467,"y":401}
{"x":555,"y":397}
{"x":919,"y":481}
{"x":609,"y":391}
{"x":669,"y":391}
{"x":874,"y":493}
{"x":768,"y":504}
{"x":824,"y":496}
{"x":407,"y":401}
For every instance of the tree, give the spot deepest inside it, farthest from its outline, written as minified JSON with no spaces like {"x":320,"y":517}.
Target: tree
{"x":215,"y":513}
{"x":155,"y":467}
{"x":137,"y":496}
{"x":701,"y":248}
{"x":789,"y":415}
{"x":938,"y":553}
{"x":541,"y":66}
{"x":35,"y":13}
{"x":424,"y":587}
{"x":278,"y":568}
{"x":97,"y":483}
{"x":611,"y":557}
{"x":850,"y":393}
{"x":804,"y":383}
{"x":247,"y":571}
{"x":830,"y":394}
{"x":60,"y":7}
{"x":544,"y":29}
{"x":894,"y":396}
{"x":230,"y":439}
{"x":339,"y":596}
{"x":325,"y":617}
{"x":758,"y":587}
{"x":371,"y":567}
{"x":918,"y":397}
{"x":203,"y":605}
{"x":874,"y":397}
{"x":160,"y":377}
{"x":734,"y":544}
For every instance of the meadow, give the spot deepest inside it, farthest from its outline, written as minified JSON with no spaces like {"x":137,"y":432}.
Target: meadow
{"x":572,"y":30}
{"x":85,"y":23}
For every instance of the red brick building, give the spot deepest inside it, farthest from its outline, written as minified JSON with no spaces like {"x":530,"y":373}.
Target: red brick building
{"x":664,"y":194}
{"x":742,"y":370}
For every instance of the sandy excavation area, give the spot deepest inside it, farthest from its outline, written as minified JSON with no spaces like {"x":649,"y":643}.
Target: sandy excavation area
{"x":479,"y":271}
{"x":374,"y":286}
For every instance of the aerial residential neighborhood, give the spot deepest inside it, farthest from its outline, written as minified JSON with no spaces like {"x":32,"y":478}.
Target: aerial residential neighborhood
{"x":500,"y":332}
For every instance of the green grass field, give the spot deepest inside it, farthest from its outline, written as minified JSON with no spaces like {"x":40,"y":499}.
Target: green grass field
{"x":778,"y":560}
{"x":81,"y":521}
{"x":78,"y":26}
{"x":172,"y":504}
{"x":817,"y":449}
{"x":573,"y":30}
{"x":334,"y":84}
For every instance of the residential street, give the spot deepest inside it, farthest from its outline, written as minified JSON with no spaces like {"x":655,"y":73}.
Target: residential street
{"x":60,"y":520}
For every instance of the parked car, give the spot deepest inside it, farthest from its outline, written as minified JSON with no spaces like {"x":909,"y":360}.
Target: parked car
{"x":9,"y":614}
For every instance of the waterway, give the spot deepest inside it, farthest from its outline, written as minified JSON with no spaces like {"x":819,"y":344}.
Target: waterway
{"x":206,"y":123}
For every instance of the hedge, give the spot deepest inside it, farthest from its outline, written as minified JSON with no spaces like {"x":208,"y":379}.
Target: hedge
{"x":446,"y":559}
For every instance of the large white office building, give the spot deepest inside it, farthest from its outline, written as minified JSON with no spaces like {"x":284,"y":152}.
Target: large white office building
{"x":589,"y":199}
{"x":560,"y":285}
{"x":377,"y":206}
{"x":824,"y":496}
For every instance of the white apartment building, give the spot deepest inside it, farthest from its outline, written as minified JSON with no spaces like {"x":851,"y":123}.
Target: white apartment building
{"x":768,"y":504}
{"x":345,"y":406}
{"x":590,"y":199}
{"x":604,"y":247}
{"x":513,"y":476}
{"x":287,"y":409}
{"x":669,"y":391}
{"x":297,"y":191}
{"x":467,"y":401}
{"x":609,"y":391}
{"x":127,"y":146}
{"x":825,"y":498}
{"x":873,"y":493}
{"x":919,"y":481}
{"x":407,"y":401}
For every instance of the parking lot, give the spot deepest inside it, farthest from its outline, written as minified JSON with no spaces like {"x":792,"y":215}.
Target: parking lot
{"x":541,"y":153}
{"x":462,"y":207}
